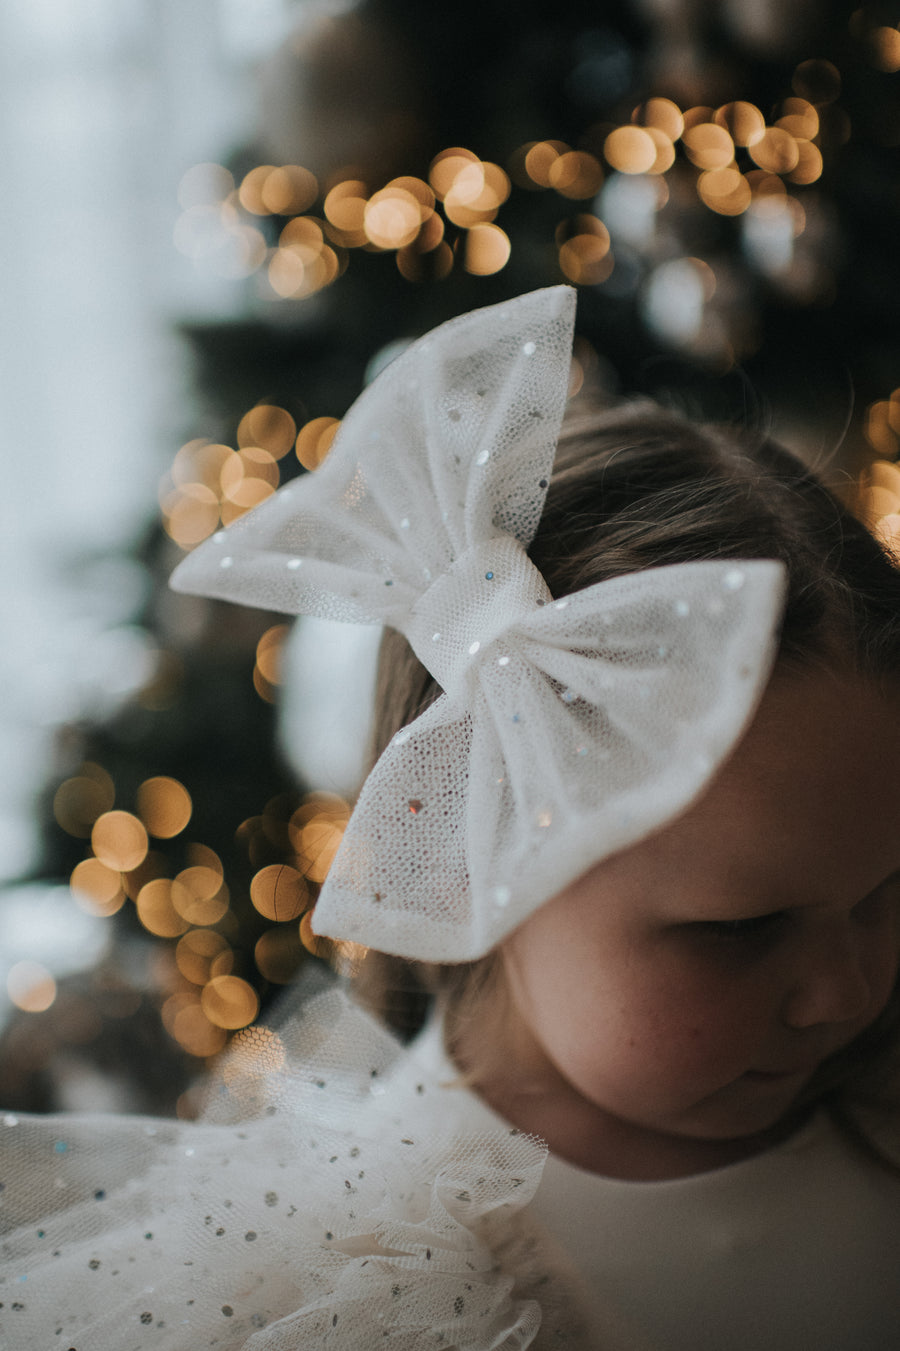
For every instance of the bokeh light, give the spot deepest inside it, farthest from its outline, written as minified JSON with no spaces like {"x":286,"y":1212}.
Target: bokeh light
{"x":250,"y":193}
{"x":447,"y":166}
{"x":279,"y":892}
{"x":229,"y":1002}
{"x":201,"y":954}
{"x":882,"y":425}
{"x":584,"y":251}
{"x":817,"y":80}
{"x":392,"y":218}
{"x":30,"y":987}
{"x":164,"y":805}
{"x":119,"y":840}
{"x":268,"y":652}
{"x":487,"y":250}
{"x":152,"y":866}
{"x":255,"y":1053}
{"x":97,"y":888}
{"x":288,"y":191}
{"x":809,"y":163}
{"x":345,"y":208}
{"x":278,"y":954}
{"x":157,"y":912}
{"x":775,"y":151}
{"x":743,"y":121}
{"x":708,"y":145}
{"x":268,"y":426}
{"x":631,"y":150}
{"x":662,"y":114}
{"x":725,"y":191}
{"x":883,"y":48}
{"x":314,"y":440}
{"x":79,"y":801}
{"x":192,"y":1029}
{"x":199,"y":894}
{"x":799,"y":118}
{"x":423,"y":261}
{"x":537,"y":159}
{"x":576,"y":174}
{"x":316,"y":829}
{"x":299,"y":270}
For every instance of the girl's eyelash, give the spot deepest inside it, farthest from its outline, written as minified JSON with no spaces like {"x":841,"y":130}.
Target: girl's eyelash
{"x":753,"y":926}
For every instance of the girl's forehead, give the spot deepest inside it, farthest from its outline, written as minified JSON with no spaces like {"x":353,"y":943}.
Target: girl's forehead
{"x":815,"y":781}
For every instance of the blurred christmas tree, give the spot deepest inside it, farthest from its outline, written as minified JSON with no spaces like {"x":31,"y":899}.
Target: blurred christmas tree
{"x":720,"y":183}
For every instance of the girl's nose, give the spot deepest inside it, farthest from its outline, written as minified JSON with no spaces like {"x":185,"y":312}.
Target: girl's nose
{"x":834,"y":980}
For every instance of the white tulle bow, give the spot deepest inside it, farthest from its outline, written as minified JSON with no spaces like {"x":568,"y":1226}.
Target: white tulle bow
{"x":569,"y":728}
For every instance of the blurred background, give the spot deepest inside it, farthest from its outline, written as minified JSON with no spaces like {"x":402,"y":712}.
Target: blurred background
{"x":219,"y":219}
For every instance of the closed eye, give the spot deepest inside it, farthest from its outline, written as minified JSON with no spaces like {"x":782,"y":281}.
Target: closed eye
{"x":734,"y":930}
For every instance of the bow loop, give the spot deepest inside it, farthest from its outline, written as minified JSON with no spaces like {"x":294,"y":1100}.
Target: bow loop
{"x":485,"y":593}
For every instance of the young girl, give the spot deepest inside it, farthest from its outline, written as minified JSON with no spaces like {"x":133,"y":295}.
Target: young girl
{"x":634,"y":827}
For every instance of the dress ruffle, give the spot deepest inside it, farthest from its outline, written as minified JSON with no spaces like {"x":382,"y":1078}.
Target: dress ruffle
{"x":317,"y":1203}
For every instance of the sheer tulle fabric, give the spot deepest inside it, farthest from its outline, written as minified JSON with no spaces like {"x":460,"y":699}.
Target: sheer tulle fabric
{"x":568,"y":729}
{"x":316,"y":1204}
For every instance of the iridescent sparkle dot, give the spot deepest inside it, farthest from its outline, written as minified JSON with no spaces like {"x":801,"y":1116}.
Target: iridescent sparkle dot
{"x":294,"y":563}
{"x":529,"y":348}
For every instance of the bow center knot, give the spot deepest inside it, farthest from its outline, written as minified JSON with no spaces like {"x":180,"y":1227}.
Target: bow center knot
{"x":486,"y":591}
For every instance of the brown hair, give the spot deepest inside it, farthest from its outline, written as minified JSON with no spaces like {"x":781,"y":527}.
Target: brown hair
{"x":637,"y":487}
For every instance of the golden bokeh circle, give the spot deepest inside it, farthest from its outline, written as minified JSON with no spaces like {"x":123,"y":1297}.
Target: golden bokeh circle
{"x":817,"y":80}
{"x":268,"y":652}
{"x":630,"y":150}
{"x":586,"y":259}
{"x":203,"y":953}
{"x":279,"y":892}
{"x":314,"y":440}
{"x":156,"y":910}
{"x":708,"y":145}
{"x":267,"y":425}
{"x":229,"y":1002}
{"x":661,"y":113}
{"x":809,"y":163}
{"x":743,"y":121}
{"x":487,"y":250}
{"x":278,"y":954}
{"x":97,"y":888}
{"x":164,"y":806}
{"x":119,"y":840}
{"x":288,"y":190}
{"x":79,"y":801}
{"x":776,"y":151}
{"x":194,"y":1032}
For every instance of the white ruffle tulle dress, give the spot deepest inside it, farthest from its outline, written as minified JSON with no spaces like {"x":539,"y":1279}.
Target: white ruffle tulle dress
{"x":342,"y":1192}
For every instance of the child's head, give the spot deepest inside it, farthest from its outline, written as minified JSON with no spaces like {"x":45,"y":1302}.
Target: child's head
{"x":638,"y":487}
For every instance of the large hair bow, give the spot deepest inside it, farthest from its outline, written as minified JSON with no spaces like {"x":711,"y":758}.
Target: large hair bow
{"x":569,"y":728}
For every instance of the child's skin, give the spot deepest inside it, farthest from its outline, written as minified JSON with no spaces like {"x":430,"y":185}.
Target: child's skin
{"x":666,"y":1009}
